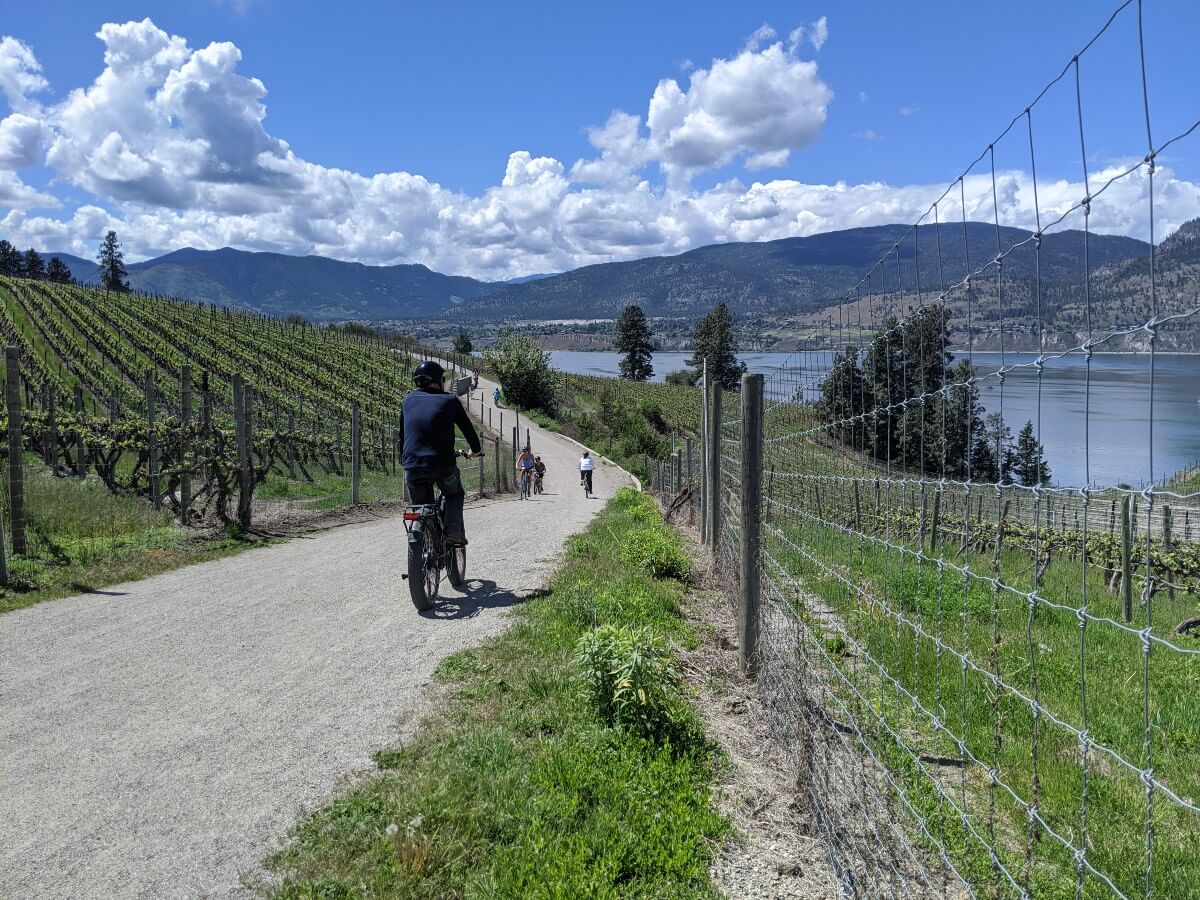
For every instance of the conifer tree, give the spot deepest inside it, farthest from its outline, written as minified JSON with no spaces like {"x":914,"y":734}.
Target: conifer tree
{"x":713,"y":343}
{"x":1028,"y":459}
{"x":34,"y":267}
{"x":11,"y":263}
{"x":112,"y":264}
{"x":58,"y":272}
{"x":462,"y":343}
{"x":633,"y":340}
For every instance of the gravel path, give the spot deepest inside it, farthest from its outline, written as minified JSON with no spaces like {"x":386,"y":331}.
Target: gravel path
{"x":160,"y":737}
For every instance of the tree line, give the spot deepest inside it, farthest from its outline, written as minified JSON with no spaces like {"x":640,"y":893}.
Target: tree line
{"x":714,"y":349}
{"x":110,"y":265}
{"x":905,"y":401}
{"x":30,"y":264}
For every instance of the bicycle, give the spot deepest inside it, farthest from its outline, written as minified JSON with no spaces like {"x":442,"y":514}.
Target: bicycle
{"x":538,"y":487}
{"x":526,"y":484}
{"x":585,"y":479}
{"x":428,"y":553}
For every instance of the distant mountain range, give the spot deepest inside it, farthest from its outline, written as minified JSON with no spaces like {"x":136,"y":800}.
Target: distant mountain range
{"x":793,"y":279}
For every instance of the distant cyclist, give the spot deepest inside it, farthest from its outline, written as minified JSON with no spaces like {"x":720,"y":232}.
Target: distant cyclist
{"x":526,"y":464}
{"x":496,"y":396}
{"x":427,"y":420}
{"x":539,"y":470}
{"x":586,"y":466}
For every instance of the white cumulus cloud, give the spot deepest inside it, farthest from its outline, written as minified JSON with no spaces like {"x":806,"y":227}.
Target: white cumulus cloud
{"x":172,"y":144}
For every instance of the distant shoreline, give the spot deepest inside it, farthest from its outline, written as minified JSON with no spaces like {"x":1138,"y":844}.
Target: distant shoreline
{"x":955,"y":351}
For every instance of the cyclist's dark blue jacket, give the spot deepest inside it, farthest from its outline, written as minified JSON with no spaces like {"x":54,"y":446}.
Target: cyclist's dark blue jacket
{"x":427,"y":421}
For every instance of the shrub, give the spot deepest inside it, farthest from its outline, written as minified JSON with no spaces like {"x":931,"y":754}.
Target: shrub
{"x":658,"y":551}
{"x":523,"y":370}
{"x":628,"y":676}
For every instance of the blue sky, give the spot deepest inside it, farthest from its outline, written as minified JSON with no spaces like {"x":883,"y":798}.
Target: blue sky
{"x":387,"y":130}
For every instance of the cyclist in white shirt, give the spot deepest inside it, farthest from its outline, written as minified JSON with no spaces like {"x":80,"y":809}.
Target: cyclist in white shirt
{"x":586,"y":466}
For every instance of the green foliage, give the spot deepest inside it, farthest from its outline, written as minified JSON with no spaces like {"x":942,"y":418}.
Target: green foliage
{"x":523,"y":370}
{"x":633,"y":340}
{"x":682,"y":378}
{"x":462,"y":343}
{"x":629,"y":679}
{"x":713,"y":343}
{"x":658,"y":551}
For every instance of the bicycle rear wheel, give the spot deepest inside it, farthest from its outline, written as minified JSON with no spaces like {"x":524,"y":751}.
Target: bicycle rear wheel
{"x":457,"y":569}
{"x":418,"y":581}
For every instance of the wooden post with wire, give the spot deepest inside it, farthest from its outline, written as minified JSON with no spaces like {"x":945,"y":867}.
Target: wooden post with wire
{"x":16,"y":465}
{"x":355,"y":452}
{"x":185,"y":444}
{"x":749,"y":599}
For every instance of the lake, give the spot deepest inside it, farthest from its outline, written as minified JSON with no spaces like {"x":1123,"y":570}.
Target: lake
{"x":1117,"y":417}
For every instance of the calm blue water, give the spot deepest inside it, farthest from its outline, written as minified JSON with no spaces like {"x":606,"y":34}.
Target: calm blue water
{"x":1113,"y":410}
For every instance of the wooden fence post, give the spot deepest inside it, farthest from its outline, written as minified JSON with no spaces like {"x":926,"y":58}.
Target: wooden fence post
{"x":714,"y":470}
{"x":291,"y":449}
{"x":355,"y":452}
{"x":16,"y":462}
{"x":246,"y":487}
{"x":239,"y":432}
{"x":1167,"y":544}
{"x":152,"y":440}
{"x":81,"y":465}
{"x":185,"y":444}
{"x":499,"y":481}
{"x":51,"y":438}
{"x":704,"y":454}
{"x":481,"y":492}
{"x":752,"y":459}
{"x":1126,"y":561}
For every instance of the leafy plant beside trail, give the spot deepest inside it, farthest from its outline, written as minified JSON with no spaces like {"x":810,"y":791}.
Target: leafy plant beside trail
{"x":564,"y":763}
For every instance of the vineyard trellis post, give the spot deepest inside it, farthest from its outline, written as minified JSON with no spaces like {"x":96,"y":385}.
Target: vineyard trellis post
{"x":704,"y":454}
{"x":499,"y":484}
{"x":50,"y":441}
{"x":239,"y":433}
{"x":185,"y":422}
{"x":1126,"y":560}
{"x":714,"y":468}
{"x":291,"y":446}
{"x":152,"y":441}
{"x":355,"y":452}
{"x":16,"y":465}
{"x":751,"y":477}
{"x":80,"y":445}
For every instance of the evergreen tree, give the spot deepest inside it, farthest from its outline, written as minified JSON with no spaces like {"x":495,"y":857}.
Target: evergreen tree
{"x":713,"y":342}
{"x":462,"y":343}
{"x":34,"y":267}
{"x":633,"y":339}
{"x":112,"y":264}
{"x":58,"y":272}
{"x":841,"y":402}
{"x":11,"y":263}
{"x":998,"y":437}
{"x":1028,"y":462}
{"x":883,"y":383}
{"x":964,"y":421}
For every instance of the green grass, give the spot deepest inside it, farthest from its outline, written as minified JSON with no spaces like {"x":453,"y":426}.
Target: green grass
{"x":519,"y":788}
{"x":1034,"y":652}
{"x":81,"y":537}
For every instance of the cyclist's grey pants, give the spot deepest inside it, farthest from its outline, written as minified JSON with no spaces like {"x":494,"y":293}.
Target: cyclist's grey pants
{"x":420,"y":492}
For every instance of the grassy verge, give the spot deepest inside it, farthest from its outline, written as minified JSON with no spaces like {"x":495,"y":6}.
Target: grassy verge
{"x":543,"y":775}
{"x":82,"y":537}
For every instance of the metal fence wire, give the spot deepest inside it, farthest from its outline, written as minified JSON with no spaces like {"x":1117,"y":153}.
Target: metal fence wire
{"x":987,"y":677}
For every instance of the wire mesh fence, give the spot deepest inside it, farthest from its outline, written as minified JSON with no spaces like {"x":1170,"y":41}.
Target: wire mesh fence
{"x":987,"y":675}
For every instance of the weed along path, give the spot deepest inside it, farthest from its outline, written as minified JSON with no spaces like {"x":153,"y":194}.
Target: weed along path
{"x":159,"y":738}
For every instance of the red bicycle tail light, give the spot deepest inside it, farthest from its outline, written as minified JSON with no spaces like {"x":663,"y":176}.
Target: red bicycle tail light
{"x":412,"y":517}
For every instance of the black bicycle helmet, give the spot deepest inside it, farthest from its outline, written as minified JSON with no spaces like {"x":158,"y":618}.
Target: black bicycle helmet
{"x":428,"y":373}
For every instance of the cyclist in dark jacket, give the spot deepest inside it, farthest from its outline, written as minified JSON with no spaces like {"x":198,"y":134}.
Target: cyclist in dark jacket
{"x":427,"y":421}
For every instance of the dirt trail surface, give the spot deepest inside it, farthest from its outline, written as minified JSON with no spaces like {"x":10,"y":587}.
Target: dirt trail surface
{"x":160,"y":737}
